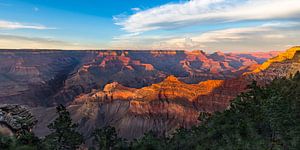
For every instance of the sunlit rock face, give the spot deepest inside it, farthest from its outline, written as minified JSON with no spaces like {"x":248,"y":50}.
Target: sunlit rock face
{"x":138,"y":69}
{"x":285,"y":64}
{"x":290,"y":54}
{"x":162,"y":107}
{"x":134,"y":91}
{"x":45,"y":78}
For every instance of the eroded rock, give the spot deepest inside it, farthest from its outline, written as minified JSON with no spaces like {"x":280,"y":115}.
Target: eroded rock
{"x":14,"y":118}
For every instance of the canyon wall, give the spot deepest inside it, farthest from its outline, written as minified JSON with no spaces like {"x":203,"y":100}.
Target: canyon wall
{"x":48,"y":77}
{"x":134,"y":91}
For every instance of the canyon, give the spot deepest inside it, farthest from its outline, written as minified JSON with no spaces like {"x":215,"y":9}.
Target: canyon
{"x":134,"y":91}
{"x":49,"y":77}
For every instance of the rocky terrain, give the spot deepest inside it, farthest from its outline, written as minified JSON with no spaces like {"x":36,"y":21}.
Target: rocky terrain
{"x":14,"y":118}
{"x":31,"y":77}
{"x":284,"y":65}
{"x":136,"y":91}
{"x":161,"y":107}
{"x":172,"y":103}
{"x":45,"y":78}
{"x":138,"y":69}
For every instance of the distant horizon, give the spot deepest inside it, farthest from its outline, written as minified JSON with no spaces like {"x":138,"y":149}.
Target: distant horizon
{"x":145,"y":50}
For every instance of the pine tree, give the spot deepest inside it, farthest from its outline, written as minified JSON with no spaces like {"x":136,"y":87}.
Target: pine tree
{"x":151,"y":141}
{"x":106,"y":138}
{"x":64,"y":135}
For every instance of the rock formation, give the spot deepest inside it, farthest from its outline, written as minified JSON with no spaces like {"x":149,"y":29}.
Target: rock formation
{"x":134,"y":91}
{"x":32,"y":77}
{"x":14,"y":118}
{"x":163,"y":107}
{"x":284,"y":65}
{"x":138,"y":69}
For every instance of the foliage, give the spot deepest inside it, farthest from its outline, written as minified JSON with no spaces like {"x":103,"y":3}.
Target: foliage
{"x":64,"y":135}
{"x":22,"y":140}
{"x":106,"y":138}
{"x":150,"y":141}
{"x":14,"y":143}
{"x":6,"y":142}
{"x":27,"y":138}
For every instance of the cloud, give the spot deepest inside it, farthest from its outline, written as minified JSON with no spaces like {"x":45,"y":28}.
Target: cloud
{"x":135,"y":9}
{"x":22,"y":42}
{"x":269,"y":36}
{"x":16,"y":25}
{"x":203,"y":12}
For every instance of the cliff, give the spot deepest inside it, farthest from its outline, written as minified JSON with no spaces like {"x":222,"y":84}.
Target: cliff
{"x":133,"y":91}
{"x":162,"y":107}
{"x":288,"y":55}
{"x":284,"y":65}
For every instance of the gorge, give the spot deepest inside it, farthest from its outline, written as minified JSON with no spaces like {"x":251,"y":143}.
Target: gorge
{"x":134,"y":91}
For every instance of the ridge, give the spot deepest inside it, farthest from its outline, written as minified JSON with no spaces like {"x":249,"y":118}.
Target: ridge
{"x":287,"y":55}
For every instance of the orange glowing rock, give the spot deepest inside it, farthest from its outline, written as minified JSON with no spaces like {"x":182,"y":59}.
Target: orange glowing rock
{"x":289,"y":54}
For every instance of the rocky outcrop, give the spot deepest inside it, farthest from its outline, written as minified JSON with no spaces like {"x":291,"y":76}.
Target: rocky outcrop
{"x":284,"y":65}
{"x":14,"y":118}
{"x":288,"y":55}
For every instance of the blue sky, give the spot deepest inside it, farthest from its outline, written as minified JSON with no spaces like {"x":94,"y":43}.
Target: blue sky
{"x":227,"y":25}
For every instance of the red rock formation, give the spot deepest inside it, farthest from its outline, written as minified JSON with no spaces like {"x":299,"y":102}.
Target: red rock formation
{"x":164,"y":106}
{"x":160,"y":107}
{"x":142,"y":68}
{"x":126,"y":89}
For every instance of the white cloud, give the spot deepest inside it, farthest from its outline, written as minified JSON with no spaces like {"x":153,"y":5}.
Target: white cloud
{"x":189,"y":13}
{"x":271,"y":36}
{"x":23,"y":42}
{"x":16,"y":25}
{"x":135,"y":9}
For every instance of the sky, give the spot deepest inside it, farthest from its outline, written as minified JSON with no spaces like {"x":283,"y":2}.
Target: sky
{"x":210,"y":25}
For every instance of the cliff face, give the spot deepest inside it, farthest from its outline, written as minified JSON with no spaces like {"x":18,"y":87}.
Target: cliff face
{"x":161,"y":107}
{"x":138,"y":69}
{"x":134,"y":91}
{"x":32,"y":77}
{"x":45,"y":78}
{"x":284,"y":65}
{"x":165,"y":106}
